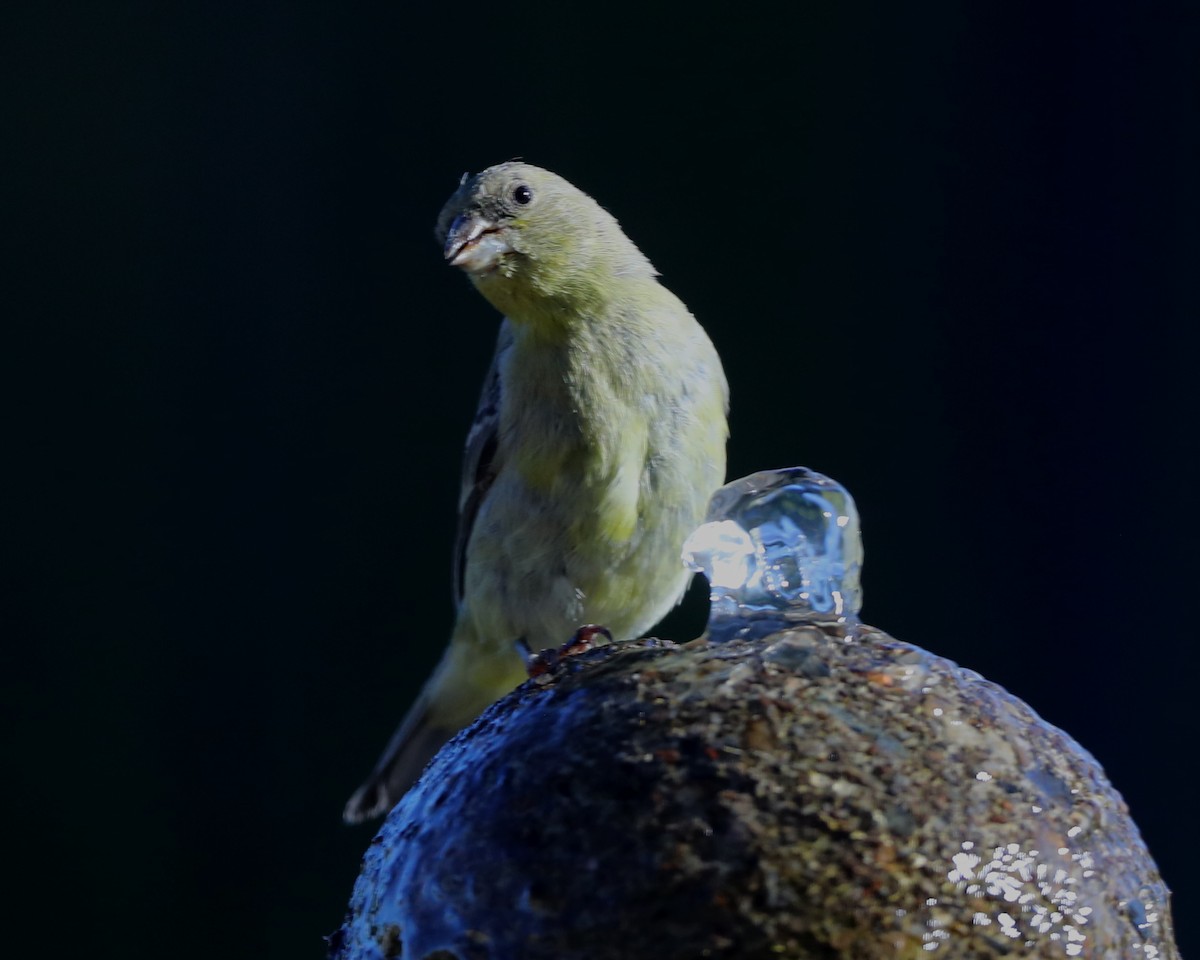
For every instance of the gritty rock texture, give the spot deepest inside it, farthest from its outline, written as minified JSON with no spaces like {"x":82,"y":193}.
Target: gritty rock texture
{"x":803,"y":794}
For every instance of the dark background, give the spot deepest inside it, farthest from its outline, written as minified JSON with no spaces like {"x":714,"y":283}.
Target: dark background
{"x":949,"y":258}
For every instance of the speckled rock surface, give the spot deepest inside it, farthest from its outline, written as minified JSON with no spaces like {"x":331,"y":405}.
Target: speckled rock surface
{"x":799,"y":795}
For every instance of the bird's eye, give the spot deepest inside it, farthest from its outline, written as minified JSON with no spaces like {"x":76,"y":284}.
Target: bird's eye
{"x":522,"y":194}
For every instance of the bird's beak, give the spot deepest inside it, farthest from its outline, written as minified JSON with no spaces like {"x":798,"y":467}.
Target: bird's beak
{"x":475,"y":244}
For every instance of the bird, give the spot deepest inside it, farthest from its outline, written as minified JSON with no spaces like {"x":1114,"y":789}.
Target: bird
{"x":599,"y":438}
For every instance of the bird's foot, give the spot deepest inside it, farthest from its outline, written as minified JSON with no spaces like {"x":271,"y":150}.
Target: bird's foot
{"x":585,"y":638}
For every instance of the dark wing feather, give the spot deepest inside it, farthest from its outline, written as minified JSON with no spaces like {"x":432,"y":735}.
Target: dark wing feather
{"x":480,"y":463}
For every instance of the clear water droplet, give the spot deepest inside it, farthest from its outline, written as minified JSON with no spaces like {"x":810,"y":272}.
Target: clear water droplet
{"x":783,"y":544}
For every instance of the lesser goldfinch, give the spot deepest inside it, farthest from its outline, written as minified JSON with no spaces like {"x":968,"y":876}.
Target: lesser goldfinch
{"x":599,"y":438}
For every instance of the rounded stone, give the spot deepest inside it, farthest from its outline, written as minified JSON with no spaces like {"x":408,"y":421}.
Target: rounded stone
{"x":807,"y":793}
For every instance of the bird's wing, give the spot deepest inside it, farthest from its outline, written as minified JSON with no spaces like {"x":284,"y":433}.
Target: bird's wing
{"x":479,"y":459}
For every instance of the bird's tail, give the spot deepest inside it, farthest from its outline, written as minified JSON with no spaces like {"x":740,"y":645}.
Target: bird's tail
{"x":413,"y":745}
{"x":466,"y":681}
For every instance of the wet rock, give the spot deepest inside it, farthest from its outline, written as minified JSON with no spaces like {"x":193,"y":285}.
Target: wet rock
{"x":820,"y":791}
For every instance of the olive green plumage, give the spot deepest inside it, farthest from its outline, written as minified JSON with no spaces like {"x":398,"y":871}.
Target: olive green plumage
{"x":599,"y":439}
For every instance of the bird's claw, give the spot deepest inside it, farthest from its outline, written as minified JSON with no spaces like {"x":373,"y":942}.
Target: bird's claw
{"x":546,"y":660}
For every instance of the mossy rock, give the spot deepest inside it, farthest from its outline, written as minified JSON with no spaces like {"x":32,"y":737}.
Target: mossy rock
{"x":806,"y":794}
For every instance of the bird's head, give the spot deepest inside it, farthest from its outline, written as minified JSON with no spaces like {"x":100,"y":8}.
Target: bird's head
{"x":528,"y":239}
